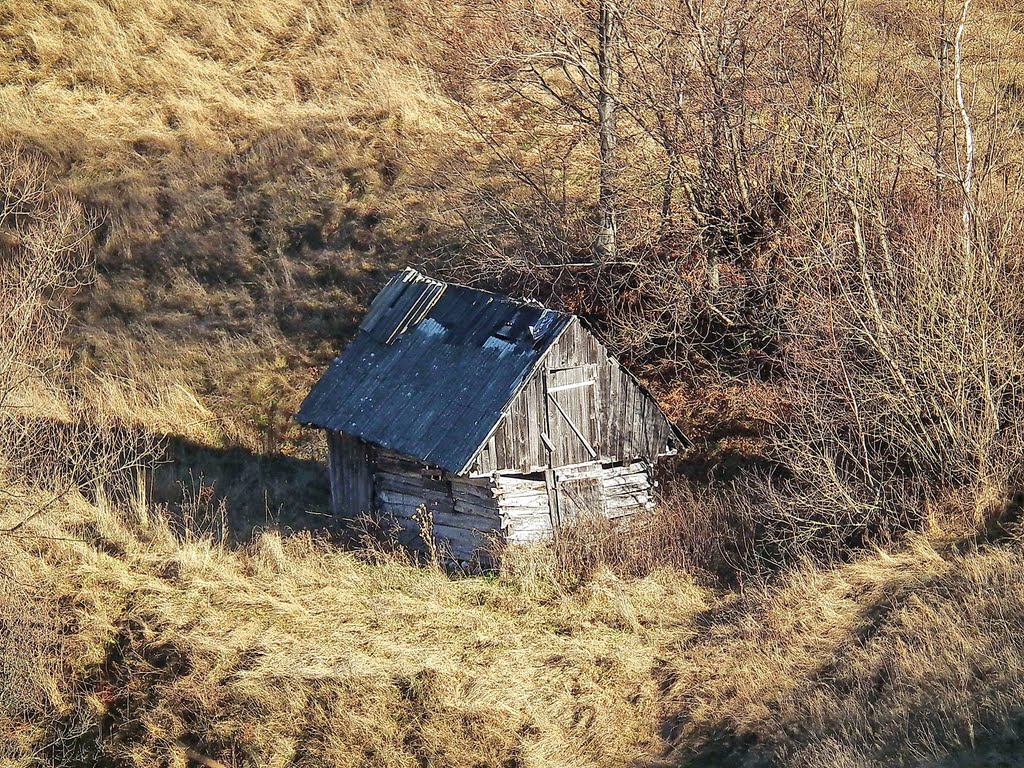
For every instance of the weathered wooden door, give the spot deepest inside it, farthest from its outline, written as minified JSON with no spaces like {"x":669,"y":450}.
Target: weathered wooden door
{"x":572,"y":421}
{"x":578,"y":498}
{"x":573,"y":435}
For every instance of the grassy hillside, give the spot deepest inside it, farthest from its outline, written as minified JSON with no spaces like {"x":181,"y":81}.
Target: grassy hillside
{"x":833,"y":579}
{"x":253,"y":173}
{"x":142,"y":643}
{"x":256,"y":169}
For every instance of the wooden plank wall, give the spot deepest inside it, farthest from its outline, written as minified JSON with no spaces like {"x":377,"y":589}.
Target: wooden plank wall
{"x":627,"y":489}
{"x":525,"y":513}
{"x":463,"y":510}
{"x":350,"y":468}
{"x":516,"y":445}
{"x":615,"y":492}
{"x":580,"y":498}
{"x":632,"y":425}
{"x":629,"y":422}
{"x":574,"y":424}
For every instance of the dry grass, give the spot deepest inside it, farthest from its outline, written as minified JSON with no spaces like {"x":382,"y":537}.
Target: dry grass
{"x":289,"y":652}
{"x":255,"y":167}
{"x":904,"y":658}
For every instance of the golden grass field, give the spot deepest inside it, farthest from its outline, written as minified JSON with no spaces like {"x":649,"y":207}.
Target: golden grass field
{"x":126,"y":643}
{"x":253,"y":171}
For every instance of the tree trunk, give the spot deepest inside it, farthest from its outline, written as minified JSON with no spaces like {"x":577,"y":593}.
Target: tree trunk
{"x":940,"y":107}
{"x":607,"y":35}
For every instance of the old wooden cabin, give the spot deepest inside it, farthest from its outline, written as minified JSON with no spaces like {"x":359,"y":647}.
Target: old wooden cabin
{"x":496,"y":416}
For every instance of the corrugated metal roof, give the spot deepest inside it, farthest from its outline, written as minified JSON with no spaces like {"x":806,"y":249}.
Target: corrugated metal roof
{"x":432,"y":368}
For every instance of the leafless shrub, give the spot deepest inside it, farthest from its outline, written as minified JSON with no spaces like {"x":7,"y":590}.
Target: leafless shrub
{"x":903,"y":346}
{"x":200,"y":514}
{"x":797,"y":244}
{"x":707,"y":533}
{"x":44,"y":250}
{"x":906,"y":386}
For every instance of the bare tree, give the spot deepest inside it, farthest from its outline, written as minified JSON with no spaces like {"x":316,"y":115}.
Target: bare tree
{"x":940,"y":105}
{"x":44,"y":239}
{"x":555,"y":70}
{"x":607,"y":36}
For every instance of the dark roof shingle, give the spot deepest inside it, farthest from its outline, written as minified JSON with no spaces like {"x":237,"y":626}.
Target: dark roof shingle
{"x":432,"y":368}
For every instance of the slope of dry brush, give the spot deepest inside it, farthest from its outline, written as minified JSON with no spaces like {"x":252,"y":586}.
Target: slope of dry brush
{"x":793,"y":252}
{"x":124,"y":644}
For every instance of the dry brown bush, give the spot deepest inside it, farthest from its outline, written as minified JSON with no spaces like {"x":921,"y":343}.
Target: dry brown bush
{"x":708,"y":534}
{"x":44,"y":252}
{"x":906,"y":394}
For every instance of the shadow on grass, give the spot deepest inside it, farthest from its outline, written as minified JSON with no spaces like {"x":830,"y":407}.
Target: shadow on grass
{"x":256,"y":490}
{"x":205,"y":489}
{"x":889,"y":723}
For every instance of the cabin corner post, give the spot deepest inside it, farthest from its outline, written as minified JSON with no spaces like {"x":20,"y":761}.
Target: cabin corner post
{"x":551,"y":485}
{"x":332,"y":470}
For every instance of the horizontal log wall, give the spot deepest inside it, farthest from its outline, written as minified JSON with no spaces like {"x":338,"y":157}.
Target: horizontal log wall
{"x":618,"y":491}
{"x":466,"y":511}
{"x":524,"y":508}
{"x":627,"y":489}
{"x":463,"y":511}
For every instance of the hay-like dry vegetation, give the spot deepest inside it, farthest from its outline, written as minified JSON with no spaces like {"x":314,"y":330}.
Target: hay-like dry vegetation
{"x":817,"y":269}
{"x":130,"y":642}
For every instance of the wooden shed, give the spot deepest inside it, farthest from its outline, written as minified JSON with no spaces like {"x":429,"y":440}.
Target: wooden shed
{"x":496,"y":416}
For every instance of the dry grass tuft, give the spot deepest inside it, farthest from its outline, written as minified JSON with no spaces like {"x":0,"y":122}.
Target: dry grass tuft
{"x":288,"y":650}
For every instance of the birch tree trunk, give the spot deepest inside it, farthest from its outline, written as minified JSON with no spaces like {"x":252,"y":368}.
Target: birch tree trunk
{"x":607,"y":32}
{"x":967,"y":181}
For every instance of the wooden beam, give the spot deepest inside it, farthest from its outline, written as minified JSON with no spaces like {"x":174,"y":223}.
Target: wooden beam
{"x":573,"y":427}
{"x":575,"y":385}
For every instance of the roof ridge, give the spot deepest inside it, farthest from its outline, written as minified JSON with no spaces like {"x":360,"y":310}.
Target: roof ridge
{"x":522,"y":301}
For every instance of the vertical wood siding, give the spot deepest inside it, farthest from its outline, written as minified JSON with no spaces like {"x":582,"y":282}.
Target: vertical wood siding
{"x":350,"y":467}
{"x":618,"y":418}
